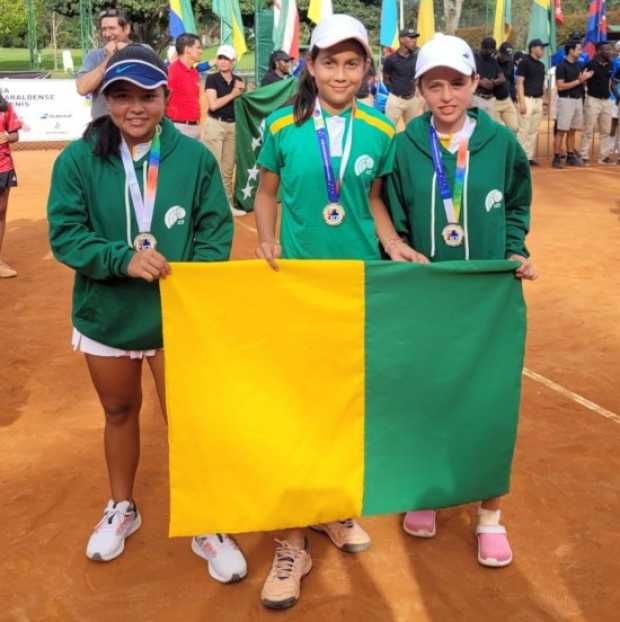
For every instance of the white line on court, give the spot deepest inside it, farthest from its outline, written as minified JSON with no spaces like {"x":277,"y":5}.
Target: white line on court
{"x":571,"y":396}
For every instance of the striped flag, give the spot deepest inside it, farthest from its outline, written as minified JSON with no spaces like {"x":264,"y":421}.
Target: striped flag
{"x":363,"y":391}
{"x":232,"y":27}
{"x":286,"y":27}
{"x":388,"y":34}
{"x":319,"y":9}
{"x":596,"y":26}
{"x":181,"y":18}
{"x":426,"y":21}
{"x":503,"y":20}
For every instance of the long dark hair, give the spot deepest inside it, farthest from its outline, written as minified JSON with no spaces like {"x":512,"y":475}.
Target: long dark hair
{"x":303,"y":104}
{"x":106,"y":135}
{"x":4,"y":104}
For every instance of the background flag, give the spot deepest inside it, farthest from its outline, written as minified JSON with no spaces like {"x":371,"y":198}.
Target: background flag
{"x":503,"y":21}
{"x":251,"y":109}
{"x":318,"y":9}
{"x":286,"y":27}
{"x":542,"y":25}
{"x":181,"y":18}
{"x":388,"y":35}
{"x":368,"y":388}
{"x":559,"y":16}
{"x":426,"y":21}
{"x":232,"y":27}
{"x":596,"y":26}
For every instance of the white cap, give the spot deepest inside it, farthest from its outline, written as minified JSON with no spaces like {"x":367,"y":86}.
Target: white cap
{"x":445,"y":51}
{"x":617,"y":46}
{"x":228,"y":51}
{"x":334,"y":29}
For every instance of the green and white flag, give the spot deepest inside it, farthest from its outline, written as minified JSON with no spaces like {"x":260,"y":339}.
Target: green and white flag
{"x":251,"y":110}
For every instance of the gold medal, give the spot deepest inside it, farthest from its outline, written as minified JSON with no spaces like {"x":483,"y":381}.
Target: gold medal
{"x":333,"y":214}
{"x":144,"y":242}
{"x":453,"y":234}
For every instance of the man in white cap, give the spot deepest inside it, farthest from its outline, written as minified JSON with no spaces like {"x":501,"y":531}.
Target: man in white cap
{"x":222,"y":88}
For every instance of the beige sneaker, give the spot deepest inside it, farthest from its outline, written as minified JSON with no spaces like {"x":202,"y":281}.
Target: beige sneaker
{"x":347,"y":535}
{"x":283,"y":584}
{"x":6,"y":272}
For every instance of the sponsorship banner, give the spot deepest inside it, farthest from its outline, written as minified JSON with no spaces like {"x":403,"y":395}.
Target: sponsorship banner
{"x":50,"y":110}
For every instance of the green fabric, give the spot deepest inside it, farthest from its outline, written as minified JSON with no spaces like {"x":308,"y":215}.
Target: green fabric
{"x":293,"y":154}
{"x":542,"y":26}
{"x":88,"y":230}
{"x":251,"y":110}
{"x":497,"y":164}
{"x":263,"y":29}
{"x":444,"y":354}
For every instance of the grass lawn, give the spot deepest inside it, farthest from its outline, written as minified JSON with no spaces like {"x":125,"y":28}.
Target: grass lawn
{"x":16,"y":59}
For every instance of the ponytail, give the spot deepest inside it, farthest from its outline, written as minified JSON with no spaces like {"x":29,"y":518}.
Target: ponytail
{"x":106,"y":136}
{"x":303,"y":105}
{"x":4,"y":104}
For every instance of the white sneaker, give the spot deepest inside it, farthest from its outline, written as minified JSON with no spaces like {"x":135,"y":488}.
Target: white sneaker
{"x":237,"y":212}
{"x":226,"y":561}
{"x":119,"y":521}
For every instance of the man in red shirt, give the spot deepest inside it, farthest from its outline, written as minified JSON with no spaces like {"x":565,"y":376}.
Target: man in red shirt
{"x":184,"y":84}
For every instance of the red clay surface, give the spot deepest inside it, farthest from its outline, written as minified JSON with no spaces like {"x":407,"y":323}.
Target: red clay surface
{"x":562,"y":513}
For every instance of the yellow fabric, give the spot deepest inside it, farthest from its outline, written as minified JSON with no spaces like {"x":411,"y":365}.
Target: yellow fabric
{"x":501,"y":29}
{"x":445,"y":140}
{"x":294,"y":463}
{"x":378,"y":123}
{"x":281,"y":123}
{"x":426,"y":21}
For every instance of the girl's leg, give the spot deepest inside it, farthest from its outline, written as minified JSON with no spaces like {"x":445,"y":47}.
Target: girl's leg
{"x":291,"y":563}
{"x":118,"y":384}
{"x":117,"y":381}
{"x":5,"y":270}
{"x":225,"y":561}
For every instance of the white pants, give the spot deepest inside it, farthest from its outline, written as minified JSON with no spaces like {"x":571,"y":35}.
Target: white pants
{"x":597,"y":113}
{"x":529,"y":124}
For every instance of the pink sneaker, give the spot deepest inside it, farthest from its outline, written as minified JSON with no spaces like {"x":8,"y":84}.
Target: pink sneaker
{"x":493,"y":547}
{"x":421,"y":523}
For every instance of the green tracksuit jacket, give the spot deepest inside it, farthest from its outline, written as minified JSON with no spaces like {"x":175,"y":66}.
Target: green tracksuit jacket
{"x":496,"y":198}
{"x":92,"y":225}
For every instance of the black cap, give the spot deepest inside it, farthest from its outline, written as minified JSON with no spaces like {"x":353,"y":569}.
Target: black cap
{"x":534,"y":43}
{"x":506,"y":48}
{"x":488,"y":43}
{"x":280,"y":55}
{"x":409,"y":32}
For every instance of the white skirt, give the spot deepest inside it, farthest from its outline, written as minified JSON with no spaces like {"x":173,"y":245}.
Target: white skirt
{"x":82,"y":343}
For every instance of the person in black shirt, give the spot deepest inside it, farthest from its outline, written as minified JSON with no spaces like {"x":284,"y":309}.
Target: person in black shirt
{"x":597,"y":109}
{"x":399,"y":77}
{"x":531,"y":74}
{"x":279,"y":68}
{"x":368,"y":88}
{"x":569,"y":80}
{"x":223,"y":87}
{"x":505,"y":111}
{"x":490,"y":77}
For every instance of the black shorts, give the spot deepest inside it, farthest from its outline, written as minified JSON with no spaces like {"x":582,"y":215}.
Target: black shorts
{"x":8,"y":179}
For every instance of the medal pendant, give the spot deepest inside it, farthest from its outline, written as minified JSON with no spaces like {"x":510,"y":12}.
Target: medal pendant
{"x":144,"y":242}
{"x":333,"y":214}
{"x":453,"y":234}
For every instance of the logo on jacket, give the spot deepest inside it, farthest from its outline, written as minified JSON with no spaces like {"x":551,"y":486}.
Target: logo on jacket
{"x":174,"y":216}
{"x":363,"y":164}
{"x":494,"y":200}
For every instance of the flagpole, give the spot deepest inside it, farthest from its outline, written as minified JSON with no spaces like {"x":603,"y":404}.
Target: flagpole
{"x":402,"y":14}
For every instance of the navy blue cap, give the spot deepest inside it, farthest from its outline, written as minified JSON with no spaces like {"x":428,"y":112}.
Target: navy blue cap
{"x":137,"y":64}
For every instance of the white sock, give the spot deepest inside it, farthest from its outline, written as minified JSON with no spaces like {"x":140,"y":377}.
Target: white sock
{"x":488,"y":518}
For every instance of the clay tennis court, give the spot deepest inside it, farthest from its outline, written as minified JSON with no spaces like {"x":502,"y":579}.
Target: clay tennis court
{"x":562,"y":513}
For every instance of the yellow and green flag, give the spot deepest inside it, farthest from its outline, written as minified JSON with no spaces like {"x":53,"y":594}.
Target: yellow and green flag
{"x":350,"y":388}
{"x":232,"y":33}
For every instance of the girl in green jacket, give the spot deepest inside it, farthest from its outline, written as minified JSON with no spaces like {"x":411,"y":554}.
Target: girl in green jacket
{"x":460,"y":189}
{"x":130,"y":196}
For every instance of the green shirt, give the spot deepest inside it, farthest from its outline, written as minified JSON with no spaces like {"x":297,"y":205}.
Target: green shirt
{"x":292,"y":152}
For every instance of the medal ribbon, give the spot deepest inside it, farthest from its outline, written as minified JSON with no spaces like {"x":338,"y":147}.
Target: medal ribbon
{"x":452,"y":201}
{"x":143,"y":208}
{"x":333,"y":185}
